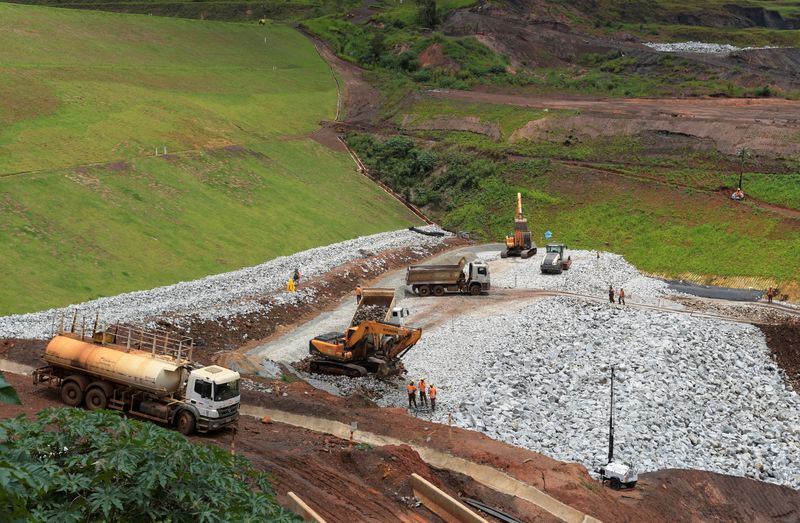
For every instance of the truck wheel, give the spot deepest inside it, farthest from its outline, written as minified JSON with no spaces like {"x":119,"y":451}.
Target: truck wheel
{"x":504,"y":254}
{"x":615,"y":484}
{"x":424,"y":291}
{"x":630,"y":484}
{"x":71,"y":394}
{"x":185,"y":422}
{"x":438,"y":290}
{"x":96,"y":399}
{"x":475,"y":290}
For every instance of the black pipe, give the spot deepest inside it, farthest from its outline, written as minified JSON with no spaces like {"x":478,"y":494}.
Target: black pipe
{"x":611,"y":422}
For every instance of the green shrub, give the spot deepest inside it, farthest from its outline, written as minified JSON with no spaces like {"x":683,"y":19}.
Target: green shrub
{"x":73,"y":465}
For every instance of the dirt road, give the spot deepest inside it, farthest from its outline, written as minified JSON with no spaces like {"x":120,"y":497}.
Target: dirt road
{"x":766,"y":126}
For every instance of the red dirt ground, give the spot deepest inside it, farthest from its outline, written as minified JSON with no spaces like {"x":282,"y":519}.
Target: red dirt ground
{"x":784,"y":342}
{"x":370,"y":484}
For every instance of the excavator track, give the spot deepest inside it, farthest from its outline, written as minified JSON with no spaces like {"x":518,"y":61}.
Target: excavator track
{"x":337,"y":368}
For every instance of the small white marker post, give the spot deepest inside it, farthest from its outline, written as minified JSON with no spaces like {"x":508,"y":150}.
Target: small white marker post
{"x":353,"y":428}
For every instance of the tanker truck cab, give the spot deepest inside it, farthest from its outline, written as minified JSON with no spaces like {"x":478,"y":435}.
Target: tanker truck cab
{"x":213,"y":392}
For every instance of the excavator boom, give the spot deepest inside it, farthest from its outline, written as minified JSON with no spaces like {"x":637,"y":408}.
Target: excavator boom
{"x":519,"y":206}
{"x":372,"y":346}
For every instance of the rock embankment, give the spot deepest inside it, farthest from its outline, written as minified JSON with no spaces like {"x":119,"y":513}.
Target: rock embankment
{"x":222,"y":295}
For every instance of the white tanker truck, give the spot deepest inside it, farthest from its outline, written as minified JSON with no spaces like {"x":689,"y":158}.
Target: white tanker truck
{"x":146,"y":374}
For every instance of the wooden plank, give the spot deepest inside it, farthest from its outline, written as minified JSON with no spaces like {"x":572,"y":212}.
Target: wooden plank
{"x":300,"y":507}
{"x":441,"y":503}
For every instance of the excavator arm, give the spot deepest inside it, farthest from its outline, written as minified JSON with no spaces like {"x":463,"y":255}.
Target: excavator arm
{"x":405,"y":339}
{"x":372,"y":346}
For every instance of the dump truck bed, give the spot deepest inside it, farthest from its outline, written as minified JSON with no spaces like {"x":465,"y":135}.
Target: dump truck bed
{"x":442,"y":274}
{"x":376,"y":304}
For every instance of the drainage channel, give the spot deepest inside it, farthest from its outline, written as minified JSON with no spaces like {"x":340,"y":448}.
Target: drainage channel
{"x":489,"y":476}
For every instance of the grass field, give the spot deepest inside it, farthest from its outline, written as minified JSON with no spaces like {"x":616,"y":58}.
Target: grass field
{"x":87,"y":209}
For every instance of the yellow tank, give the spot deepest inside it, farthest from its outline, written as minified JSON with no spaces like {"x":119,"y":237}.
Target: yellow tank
{"x":135,"y":368}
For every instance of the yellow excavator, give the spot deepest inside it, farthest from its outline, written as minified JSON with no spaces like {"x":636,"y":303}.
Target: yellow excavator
{"x":519,"y":242}
{"x":371,"y":347}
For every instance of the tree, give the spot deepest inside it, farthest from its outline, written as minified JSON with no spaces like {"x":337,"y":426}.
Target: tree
{"x":73,"y":465}
{"x":428,"y":16}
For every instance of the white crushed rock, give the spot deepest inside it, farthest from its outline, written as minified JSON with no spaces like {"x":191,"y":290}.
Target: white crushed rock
{"x":698,"y":47}
{"x":588,"y":275}
{"x":691,"y":393}
{"x":223,"y":295}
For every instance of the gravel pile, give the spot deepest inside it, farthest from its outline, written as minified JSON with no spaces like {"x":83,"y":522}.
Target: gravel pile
{"x":698,"y":47}
{"x":588,"y":275}
{"x":223,"y":295}
{"x":369,"y":312}
{"x":691,"y":393}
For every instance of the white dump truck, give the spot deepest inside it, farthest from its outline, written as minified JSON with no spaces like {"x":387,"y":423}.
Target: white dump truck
{"x":462,"y":277}
{"x":144,"y":373}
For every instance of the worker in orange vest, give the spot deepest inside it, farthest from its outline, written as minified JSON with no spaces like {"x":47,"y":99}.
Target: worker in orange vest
{"x":423,"y":399}
{"x":412,"y":394}
{"x":432,"y":395}
{"x":358,"y":293}
{"x":621,"y":296}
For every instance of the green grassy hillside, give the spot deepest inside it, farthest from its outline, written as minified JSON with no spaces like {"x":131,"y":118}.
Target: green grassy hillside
{"x":87,"y":209}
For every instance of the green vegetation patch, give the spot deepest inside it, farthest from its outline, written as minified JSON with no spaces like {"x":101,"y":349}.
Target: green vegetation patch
{"x":507,"y":117}
{"x":73,"y":465}
{"x":86,"y":98}
{"x":92,"y":87}
{"x":640,"y":211}
{"x":78,"y":234}
{"x":778,"y":189}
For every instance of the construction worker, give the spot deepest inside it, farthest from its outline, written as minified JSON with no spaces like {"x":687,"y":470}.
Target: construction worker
{"x":611,"y":294}
{"x":358,"y":293}
{"x":296,"y":277}
{"x":290,"y":287}
{"x":432,"y":395}
{"x":412,"y":394}
{"x":770,"y":294}
{"x":621,"y":296}
{"x":423,"y":399}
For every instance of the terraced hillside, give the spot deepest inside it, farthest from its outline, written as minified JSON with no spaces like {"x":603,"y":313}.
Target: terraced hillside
{"x":88,"y":209}
{"x":614,"y":142}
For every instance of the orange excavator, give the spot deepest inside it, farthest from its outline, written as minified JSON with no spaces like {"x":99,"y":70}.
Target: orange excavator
{"x":371,"y":347}
{"x":519,"y":243}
